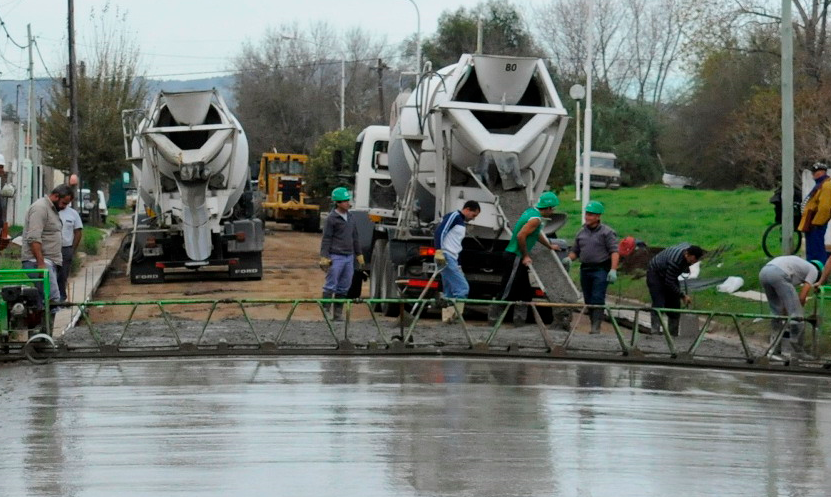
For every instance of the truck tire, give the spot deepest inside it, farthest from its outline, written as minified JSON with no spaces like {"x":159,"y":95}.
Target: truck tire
{"x":376,"y":271}
{"x":312,"y":223}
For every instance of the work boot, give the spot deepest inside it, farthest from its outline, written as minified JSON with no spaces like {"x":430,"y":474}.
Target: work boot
{"x":597,"y":320}
{"x":337,"y":309}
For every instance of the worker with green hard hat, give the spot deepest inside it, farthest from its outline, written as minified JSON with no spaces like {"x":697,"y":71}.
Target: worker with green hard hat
{"x":516,"y":285}
{"x":596,"y":246}
{"x":339,"y":250}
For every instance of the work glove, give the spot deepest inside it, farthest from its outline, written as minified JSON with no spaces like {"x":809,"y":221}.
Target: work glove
{"x":441,"y":261}
{"x":360,"y":259}
{"x":325,"y":263}
{"x":567,"y":263}
{"x":612,"y":276}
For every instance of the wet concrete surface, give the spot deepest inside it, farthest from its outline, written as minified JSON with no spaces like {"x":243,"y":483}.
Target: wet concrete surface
{"x":409,"y":427}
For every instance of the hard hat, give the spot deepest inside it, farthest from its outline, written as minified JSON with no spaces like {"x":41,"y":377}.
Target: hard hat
{"x":547,"y":200}
{"x":341,"y":194}
{"x":594,"y":207}
{"x":818,"y":264}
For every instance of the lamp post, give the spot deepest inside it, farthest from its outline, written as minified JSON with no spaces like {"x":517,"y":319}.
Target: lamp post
{"x":587,"y":132}
{"x":418,"y":38}
{"x":578,"y":93}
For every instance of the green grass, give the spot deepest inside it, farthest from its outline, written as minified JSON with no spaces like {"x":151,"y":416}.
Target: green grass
{"x":91,"y":239}
{"x":727,"y":224}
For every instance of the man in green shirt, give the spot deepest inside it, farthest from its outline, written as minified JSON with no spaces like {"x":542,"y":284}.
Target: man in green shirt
{"x":516,"y":285}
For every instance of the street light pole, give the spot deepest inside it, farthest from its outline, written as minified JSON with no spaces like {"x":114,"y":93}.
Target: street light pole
{"x":342,"y":91}
{"x":418,"y":38}
{"x":578,"y":93}
{"x":587,"y":131}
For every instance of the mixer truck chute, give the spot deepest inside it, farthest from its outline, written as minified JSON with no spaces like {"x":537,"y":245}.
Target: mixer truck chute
{"x":189,"y":156}
{"x":487,"y":129}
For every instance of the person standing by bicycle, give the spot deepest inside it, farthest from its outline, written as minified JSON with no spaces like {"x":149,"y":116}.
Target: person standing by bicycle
{"x":816,"y":214}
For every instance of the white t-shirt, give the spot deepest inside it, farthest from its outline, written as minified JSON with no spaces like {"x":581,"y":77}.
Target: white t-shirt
{"x":71,"y":221}
{"x":797,"y":269}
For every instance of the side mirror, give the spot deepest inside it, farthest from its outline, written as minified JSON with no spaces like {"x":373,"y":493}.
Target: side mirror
{"x":337,"y":160}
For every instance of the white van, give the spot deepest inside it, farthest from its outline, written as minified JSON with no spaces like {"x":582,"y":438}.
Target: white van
{"x":604,"y":172}
{"x":87,"y":205}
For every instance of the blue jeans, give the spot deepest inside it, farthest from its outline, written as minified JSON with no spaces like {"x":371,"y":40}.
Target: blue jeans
{"x":594,"y":284}
{"x":453,"y":280}
{"x":339,"y":276}
{"x":815,"y":244}
{"x":54,"y":292}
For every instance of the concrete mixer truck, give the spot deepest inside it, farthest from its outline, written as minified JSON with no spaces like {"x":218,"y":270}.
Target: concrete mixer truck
{"x":487,"y":129}
{"x":195,"y":211}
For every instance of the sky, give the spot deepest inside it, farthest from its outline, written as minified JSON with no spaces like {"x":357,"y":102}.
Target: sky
{"x":189,"y":39}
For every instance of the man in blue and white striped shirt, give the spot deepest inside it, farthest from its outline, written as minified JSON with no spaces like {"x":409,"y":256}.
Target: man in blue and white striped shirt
{"x":448,"y":243}
{"x":662,"y":280}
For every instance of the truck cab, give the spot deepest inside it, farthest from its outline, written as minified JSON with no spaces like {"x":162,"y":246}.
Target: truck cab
{"x":603,"y":171}
{"x":373,"y":186}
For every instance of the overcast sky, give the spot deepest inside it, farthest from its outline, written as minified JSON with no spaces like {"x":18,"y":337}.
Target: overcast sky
{"x":186,"y":39}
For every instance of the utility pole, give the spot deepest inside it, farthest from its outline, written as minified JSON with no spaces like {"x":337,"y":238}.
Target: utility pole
{"x":380,"y":69}
{"x":73,"y":100}
{"x":787,"y":128}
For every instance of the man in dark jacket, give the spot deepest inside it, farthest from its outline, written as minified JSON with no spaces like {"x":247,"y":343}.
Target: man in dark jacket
{"x":662,"y":280}
{"x":339,"y":249}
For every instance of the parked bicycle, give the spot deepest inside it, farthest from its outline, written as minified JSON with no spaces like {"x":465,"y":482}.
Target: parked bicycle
{"x":772,"y":238}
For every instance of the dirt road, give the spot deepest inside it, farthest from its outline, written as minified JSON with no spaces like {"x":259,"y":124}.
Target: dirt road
{"x":290,"y":271}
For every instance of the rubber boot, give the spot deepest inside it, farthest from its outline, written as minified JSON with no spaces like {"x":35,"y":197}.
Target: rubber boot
{"x":597,"y":320}
{"x":337,"y":309}
{"x":328,"y":307}
{"x":674,"y":322}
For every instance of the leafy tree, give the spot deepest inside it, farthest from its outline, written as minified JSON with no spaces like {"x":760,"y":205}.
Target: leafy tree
{"x":109,"y":86}
{"x":322,"y":177}
{"x":504,"y":33}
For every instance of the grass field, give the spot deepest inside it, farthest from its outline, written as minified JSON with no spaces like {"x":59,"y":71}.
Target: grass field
{"x":728,"y":224}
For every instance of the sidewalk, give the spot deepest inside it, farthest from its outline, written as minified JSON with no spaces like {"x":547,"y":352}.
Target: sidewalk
{"x":82,"y":285}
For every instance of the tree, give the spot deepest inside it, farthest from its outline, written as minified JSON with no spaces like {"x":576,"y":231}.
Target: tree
{"x":322,"y":177}
{"x":288,"y":86}
{"x":108,"y":86}
{"x":504,"y":33}
{"x":638,"y":43}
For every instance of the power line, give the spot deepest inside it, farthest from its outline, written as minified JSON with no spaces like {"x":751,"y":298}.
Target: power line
{"x":9,"y":36}
{"x":37,"y":47}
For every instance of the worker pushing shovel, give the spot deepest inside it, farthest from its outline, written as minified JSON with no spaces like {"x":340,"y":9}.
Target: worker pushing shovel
{"x":516,"y":285}
{"x":448,"y":243}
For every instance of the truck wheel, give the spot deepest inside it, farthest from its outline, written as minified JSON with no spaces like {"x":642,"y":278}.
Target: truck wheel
{"x":376,"y":271}
{"x":390,"y":288}
{"x":312,"y":223}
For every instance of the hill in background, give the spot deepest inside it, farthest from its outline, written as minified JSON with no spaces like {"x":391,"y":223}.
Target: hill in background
{"x":10,"y":94}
